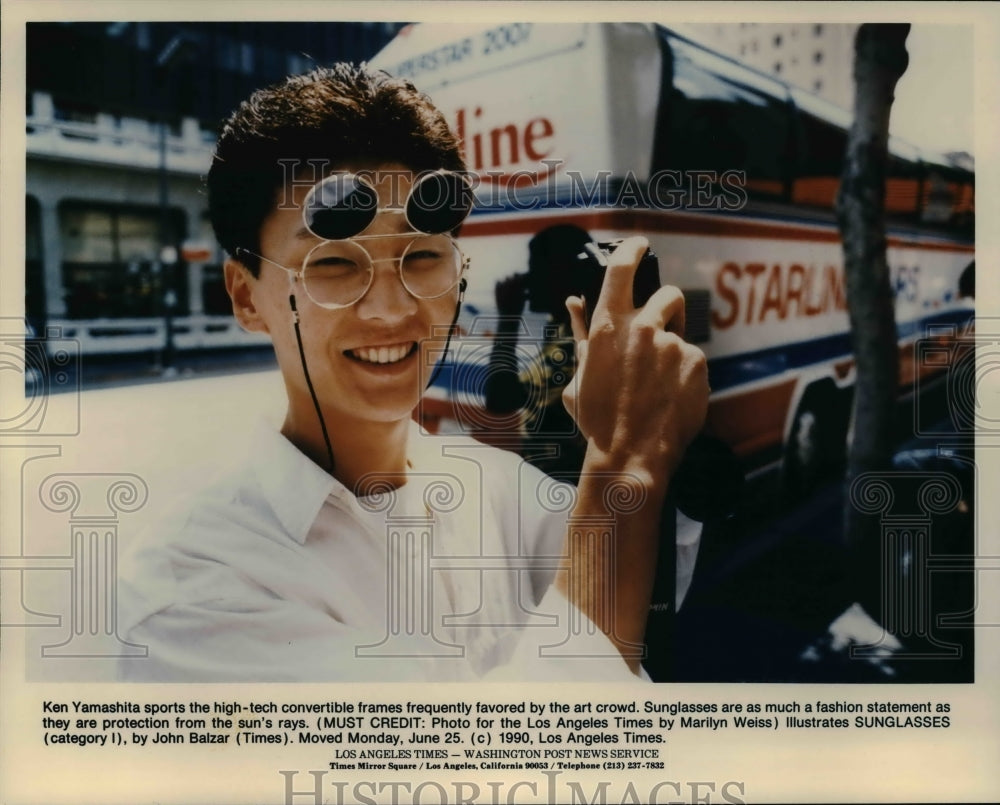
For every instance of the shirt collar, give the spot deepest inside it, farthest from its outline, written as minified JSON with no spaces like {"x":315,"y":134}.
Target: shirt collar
{"x":293,"y":485}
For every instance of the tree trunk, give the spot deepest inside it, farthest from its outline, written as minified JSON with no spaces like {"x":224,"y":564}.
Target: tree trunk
{"x":880,"y":60}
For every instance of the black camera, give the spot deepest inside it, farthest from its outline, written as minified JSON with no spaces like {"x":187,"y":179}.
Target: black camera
{"x":592,"y":264}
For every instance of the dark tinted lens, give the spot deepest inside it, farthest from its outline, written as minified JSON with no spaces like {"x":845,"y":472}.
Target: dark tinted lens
{"x":339,"y":207}
{"x":439,"y":202}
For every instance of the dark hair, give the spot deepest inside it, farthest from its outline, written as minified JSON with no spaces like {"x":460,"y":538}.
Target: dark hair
{"x":335,"y":115}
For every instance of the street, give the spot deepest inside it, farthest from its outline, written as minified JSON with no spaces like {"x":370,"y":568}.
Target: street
{"x":770,"y":582}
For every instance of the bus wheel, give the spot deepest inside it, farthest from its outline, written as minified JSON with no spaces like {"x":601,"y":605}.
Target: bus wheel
{"x":816,"y":443}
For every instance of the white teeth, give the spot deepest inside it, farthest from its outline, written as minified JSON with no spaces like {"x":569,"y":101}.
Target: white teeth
{"x":383,"y":354}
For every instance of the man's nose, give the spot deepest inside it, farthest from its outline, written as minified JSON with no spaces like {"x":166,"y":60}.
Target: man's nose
{"x":387,"y":298}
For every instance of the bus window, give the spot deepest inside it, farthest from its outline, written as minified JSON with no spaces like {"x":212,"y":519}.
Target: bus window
{"x":820,"y":145}
{"x":902,"y":188}
{"x":947,"y":198}
{"x":726,"y":117}
{"x":110,"y":261}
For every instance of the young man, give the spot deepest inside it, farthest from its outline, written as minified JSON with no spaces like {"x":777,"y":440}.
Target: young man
{"x":349,"y":546}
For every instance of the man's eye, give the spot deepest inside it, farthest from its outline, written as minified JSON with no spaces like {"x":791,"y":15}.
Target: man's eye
{"x":423,"y":255}
{"x":328,"y":261}
{"x":331,"y":267}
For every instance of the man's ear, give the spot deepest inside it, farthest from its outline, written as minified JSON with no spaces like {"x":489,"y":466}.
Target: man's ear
{"x":240,"y":286}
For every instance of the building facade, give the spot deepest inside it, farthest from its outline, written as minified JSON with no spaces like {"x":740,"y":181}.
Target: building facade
{"x":121,"y":120}
{"x":814,"y":56}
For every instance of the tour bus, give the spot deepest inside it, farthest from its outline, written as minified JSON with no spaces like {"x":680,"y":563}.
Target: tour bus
{"x":732,"y":175}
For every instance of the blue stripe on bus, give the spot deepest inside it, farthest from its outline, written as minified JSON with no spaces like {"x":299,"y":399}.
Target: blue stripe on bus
{"x":747,"y":367}
{"x":735,"y":370}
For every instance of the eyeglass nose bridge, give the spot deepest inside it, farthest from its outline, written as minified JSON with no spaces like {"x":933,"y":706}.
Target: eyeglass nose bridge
{"x":463,"y":265}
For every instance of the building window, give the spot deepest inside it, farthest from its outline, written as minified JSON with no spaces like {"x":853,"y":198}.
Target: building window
{"x":777,"y":67}
{"x":246,"y":58}
{"x":818,"y":84}
{"x":111,"y":262}
{"x":818,"y":57}
{"x":753,"y":46}
{"x":818,"y":30}
{"x":34,"y":279}
{"x":299,"y":63}
{"x":142,"y":35}
{"x":777,"y":41}
{"x":214,"y":298}
{"x":71,"y":112}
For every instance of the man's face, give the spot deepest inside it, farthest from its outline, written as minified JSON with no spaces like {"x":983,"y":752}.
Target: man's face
{"x":368,"y":361}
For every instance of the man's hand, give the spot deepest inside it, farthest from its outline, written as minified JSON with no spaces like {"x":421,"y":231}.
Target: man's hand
{"x":511,"y":294}
{"x":640,"y":393}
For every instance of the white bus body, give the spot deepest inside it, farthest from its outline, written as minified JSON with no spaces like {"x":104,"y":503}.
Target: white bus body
{"x":548,"y":113}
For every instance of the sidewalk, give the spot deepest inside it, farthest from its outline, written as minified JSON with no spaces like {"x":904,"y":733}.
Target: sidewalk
{"x":125,"y":370}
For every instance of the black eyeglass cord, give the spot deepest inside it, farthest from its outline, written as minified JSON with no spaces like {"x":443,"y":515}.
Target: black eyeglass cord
{"x":312,"y":390}
{"x":451,"y":331}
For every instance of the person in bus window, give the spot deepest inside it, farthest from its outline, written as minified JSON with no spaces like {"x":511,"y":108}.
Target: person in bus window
{"x":552,"y":442}
{"x":337,"y":196}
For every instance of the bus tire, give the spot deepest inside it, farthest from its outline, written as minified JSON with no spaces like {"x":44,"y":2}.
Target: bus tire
{"x":816,"y":446}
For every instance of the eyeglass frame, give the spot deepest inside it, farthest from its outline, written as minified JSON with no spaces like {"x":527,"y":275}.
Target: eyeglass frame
{"x":299,"y":273}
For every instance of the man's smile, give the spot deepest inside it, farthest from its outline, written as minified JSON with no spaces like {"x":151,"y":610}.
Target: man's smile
{"x":391,"y":353}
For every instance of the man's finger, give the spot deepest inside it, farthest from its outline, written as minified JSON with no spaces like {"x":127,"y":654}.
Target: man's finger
{"x":571,"y":391}
{"x":665,"y":310}
{"x":616,"y":291}
{"x":577,"y":317}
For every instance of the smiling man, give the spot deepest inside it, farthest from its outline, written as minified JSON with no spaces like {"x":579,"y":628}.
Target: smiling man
{"x":349,"y":545}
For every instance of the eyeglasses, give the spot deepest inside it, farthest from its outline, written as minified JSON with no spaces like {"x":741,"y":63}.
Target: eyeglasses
{"x":344,"y":204}
{"x":338,"y":273}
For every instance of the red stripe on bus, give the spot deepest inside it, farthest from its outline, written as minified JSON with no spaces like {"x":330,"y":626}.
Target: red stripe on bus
{"x":752,"y":421}
{"x":683,"y":224}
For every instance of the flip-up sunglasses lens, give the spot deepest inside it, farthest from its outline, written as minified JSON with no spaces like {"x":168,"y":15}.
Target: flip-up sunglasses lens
{"x":339,"y":207}
{"x":439,"y":202}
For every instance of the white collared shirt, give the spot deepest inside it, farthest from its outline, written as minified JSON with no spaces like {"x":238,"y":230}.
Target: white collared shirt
{"x":280,"y":573}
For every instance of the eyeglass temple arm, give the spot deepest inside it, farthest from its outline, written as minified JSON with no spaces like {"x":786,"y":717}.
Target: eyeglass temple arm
{"x":293,"y":271}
